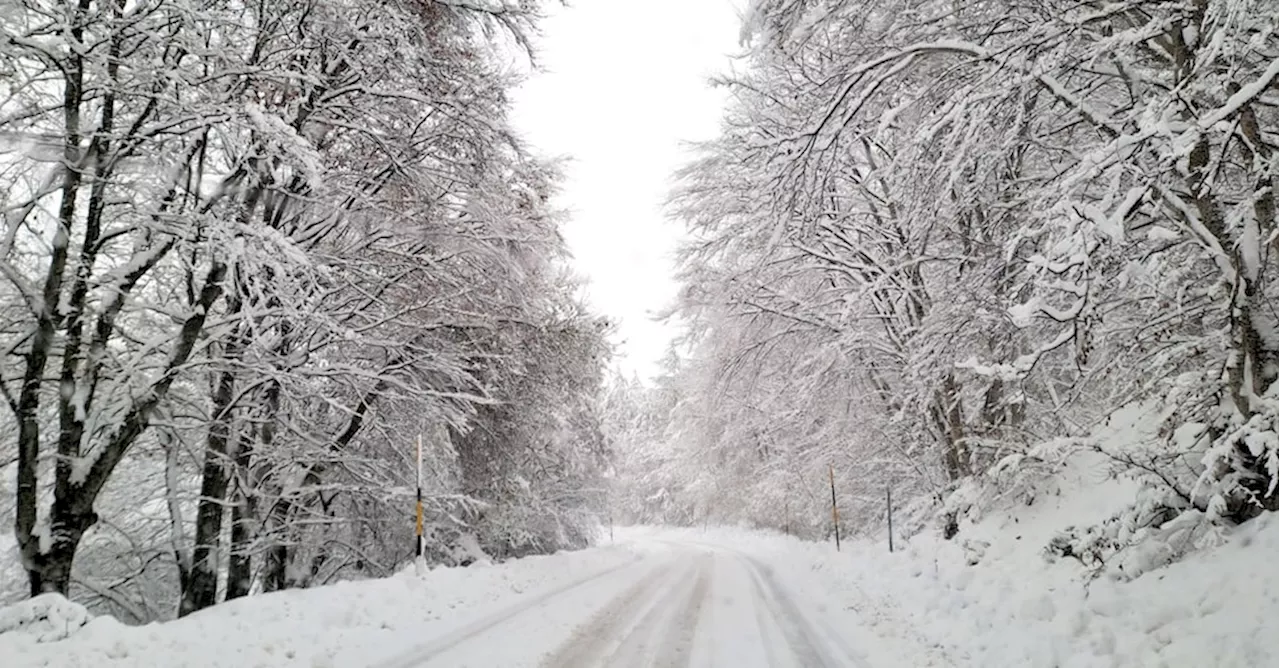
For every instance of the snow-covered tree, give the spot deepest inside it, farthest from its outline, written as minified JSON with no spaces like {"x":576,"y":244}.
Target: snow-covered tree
{"x":251,"y":253}
{"x":934,"y":237}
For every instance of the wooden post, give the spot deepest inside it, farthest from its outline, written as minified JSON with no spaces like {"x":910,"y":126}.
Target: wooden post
{"x":888,"y":504}
{"x":835,"y":513}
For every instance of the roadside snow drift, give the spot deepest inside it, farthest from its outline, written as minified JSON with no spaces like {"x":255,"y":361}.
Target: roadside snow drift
{"x":346,"y":624}
{"x":990,"y":598}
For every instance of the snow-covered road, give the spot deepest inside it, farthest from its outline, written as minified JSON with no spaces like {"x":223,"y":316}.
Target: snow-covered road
{"x":652,"y":597}
{"x":679,"y":604}
{"x":660,"y":596}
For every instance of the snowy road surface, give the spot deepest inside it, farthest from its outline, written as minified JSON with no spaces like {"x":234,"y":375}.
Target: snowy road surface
{"x":721,"y":597}
{"x":651,"y":597}
{"x":679,"y":604}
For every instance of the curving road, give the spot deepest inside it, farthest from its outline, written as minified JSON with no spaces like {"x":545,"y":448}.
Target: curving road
{"x":682,"y":604}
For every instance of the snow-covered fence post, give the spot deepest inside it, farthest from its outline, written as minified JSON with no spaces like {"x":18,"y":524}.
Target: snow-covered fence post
{"x":419,"y":560}
{"x":888,"y":505}
{"x":835,"y":513}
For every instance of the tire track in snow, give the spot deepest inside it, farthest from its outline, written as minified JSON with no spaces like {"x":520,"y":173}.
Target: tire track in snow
{"x":684,"y":628}
{"x":630,"y":627}
{"x":664,"y":636}
{"x":426,"y":652}
{"x":812,"y":644}
{"x":669,"y":614}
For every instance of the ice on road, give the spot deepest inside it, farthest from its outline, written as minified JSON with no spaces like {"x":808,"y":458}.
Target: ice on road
{"x":679,"y":604}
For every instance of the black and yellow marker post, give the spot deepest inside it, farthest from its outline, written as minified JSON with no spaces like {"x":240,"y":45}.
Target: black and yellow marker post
{"x":418,"y":556}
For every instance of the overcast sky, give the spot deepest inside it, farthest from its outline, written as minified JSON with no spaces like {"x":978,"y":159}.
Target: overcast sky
{"x":624,"y":84}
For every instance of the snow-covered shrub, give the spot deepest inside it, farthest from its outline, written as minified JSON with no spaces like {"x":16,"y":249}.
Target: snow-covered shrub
{"x":915,"y":514}
{"x":1241,"y":462}
{"x":1154,"y":532}
{"x":1018,"y":478}
{"x":1198,"y":476}
{"x":527,"y":518}
{"x":47,"y":617}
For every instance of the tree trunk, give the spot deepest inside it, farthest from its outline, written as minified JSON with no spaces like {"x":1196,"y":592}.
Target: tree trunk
{"x":950,"y":424}
{"x":201,"y":588}
{"x":274,"y":577}
{"x":71,"y":514}
{"x":28,"y":405}
{"x":239,"y":567}
{"x":244,"y":515}
{"x":68,"y":526}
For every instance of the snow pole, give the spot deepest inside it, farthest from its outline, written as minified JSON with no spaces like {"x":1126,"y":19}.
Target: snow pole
{"x":419,"y":560}
{"x":608,"y":511}
{"x":835,"y":513}
{"x":888,"y":504}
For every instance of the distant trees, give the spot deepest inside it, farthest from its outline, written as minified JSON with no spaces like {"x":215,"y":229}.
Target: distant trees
{"x":250,"y":252}
{"x":933,"y":237}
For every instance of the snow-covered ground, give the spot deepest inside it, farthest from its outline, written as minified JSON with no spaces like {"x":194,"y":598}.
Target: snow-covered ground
{"x":346,"y":624}
{"x":734,"y":597}
{"x":1013,"y":608}
{"x":652,"y":598}
{"x":989,"y":597}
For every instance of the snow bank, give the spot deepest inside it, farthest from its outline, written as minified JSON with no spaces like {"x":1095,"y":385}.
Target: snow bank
{"x":44,"y":618}
{"x":345,"y":624}
{"x":1013,"y":607}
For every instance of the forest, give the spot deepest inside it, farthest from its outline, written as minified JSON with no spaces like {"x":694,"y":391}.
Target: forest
{"x":252,"y":252}
{"x":255,"y":251}
{"x":939,"y":248}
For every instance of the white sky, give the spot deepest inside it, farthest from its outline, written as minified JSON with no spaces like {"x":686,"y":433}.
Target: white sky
{"x":624,"y":83}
